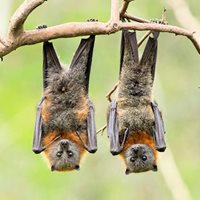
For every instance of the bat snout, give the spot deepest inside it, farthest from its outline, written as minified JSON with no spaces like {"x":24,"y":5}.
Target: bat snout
{"x":64,"y":144}
{"x":135,"y":150}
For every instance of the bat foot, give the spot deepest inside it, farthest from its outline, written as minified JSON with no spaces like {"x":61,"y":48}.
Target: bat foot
{"x":158,"y":21}
{"x":41,"y":26}
{"x":92,"y":20}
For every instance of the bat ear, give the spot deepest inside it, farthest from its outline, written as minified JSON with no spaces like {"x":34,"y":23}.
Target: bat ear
{"x":53,"y":168}
{"x":51,"y":63}
{"x":127,"y":171}
{"x":77,"y":167}
{"x":155,"y":168}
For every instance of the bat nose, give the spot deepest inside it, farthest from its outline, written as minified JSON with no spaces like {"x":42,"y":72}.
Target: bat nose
{"x":135,"y":150}
{"x":64,"y":144}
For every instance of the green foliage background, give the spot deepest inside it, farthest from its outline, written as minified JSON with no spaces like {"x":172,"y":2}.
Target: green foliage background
{"x":24,"y":175}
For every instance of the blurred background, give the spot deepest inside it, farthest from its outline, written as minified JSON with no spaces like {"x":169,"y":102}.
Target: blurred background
{"x":24,"y":175}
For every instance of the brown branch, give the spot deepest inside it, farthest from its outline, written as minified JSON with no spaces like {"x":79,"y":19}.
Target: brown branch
{"x":102,"y":129}
{"x":17,"y":37}
{"x":108,"y":95}
{"x":114,"y":13}
{"x":20,"y":16}
{"x":143,"y":38}
{"x":136,"y":19}
{"x":124,"y":8}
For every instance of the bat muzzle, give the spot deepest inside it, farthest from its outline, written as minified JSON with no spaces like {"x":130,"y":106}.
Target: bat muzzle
{"x":64,"y":144}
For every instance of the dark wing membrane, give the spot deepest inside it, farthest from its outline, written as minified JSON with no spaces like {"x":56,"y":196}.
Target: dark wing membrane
{"x":150,"y":54}
{"x":159,"y":129}
{"x":37,"y":139}
{"x":51,"y":63}
{"x":82,"y":59}
{"x":128,"y":46}
{"x":112,"y":129}
{"x":91,"y":130}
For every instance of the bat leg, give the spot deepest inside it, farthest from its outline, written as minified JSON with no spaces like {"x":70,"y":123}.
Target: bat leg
{"x":159,"y":129}
{"x":112,"y":128}
{"x":91,"y":130}
{"x":37,"y":139}
{"x":124,"y":139}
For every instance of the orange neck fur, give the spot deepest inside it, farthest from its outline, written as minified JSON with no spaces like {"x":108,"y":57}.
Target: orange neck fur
{"x":140,"y":137}
{"x":66,"y":135}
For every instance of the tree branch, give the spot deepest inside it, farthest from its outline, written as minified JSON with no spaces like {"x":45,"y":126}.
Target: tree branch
{"x":114,"y":12}
{"x":124,"y":8}
{"x":18,"y":37}
{"x":20,"y":16}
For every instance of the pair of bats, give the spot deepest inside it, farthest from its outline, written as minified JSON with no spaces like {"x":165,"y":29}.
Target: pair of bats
{"x":65,"y":124}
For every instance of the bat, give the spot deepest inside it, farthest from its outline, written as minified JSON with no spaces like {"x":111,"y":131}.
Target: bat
{"x":65,"y":123}
{"x":135,"y":123}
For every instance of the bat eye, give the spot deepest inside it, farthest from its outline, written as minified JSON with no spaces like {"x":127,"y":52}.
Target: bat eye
{"x":144,"y":158}
{"x":70,"y":153}
{"x":59,"y":154}
{"x":132,"y":159}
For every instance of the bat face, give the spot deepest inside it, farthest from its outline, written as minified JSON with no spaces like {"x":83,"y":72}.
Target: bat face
{"x":63,"y":155}
{"x":139,"y":158}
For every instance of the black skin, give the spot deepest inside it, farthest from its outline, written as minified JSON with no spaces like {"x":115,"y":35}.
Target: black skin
{"x":66,"y":88}
{"x":133,"y":91}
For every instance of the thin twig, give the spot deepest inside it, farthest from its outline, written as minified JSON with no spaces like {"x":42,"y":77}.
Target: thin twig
{"x":108,"y":95}
{"x":124,"y":8}
{"x":163,"y":21}
{"x":144,"y":38}
{"x":102,"y":129}
{"x":114,"y":13}
{"x":136,"y":19}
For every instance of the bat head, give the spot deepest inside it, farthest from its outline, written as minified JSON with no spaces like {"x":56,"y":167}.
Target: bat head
{"x":139,"y":158}
{"x":63,"y":155}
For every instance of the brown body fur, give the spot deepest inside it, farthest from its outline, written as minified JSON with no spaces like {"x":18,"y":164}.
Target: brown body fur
{"x":66,"y":135}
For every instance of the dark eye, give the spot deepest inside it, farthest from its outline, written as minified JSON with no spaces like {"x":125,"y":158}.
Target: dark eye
{"x":70,"y":153}
{"x":144,"y":158}
{"x":59,"y":154}
{"x":132,"y":159}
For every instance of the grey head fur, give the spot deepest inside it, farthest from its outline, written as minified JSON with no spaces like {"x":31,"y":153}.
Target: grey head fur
{"x":63,"y":155}
{"x":139,"y":158}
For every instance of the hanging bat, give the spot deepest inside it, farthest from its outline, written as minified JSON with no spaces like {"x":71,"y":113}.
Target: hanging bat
{"x":135,"y":124}
{"x":65,"y":125}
